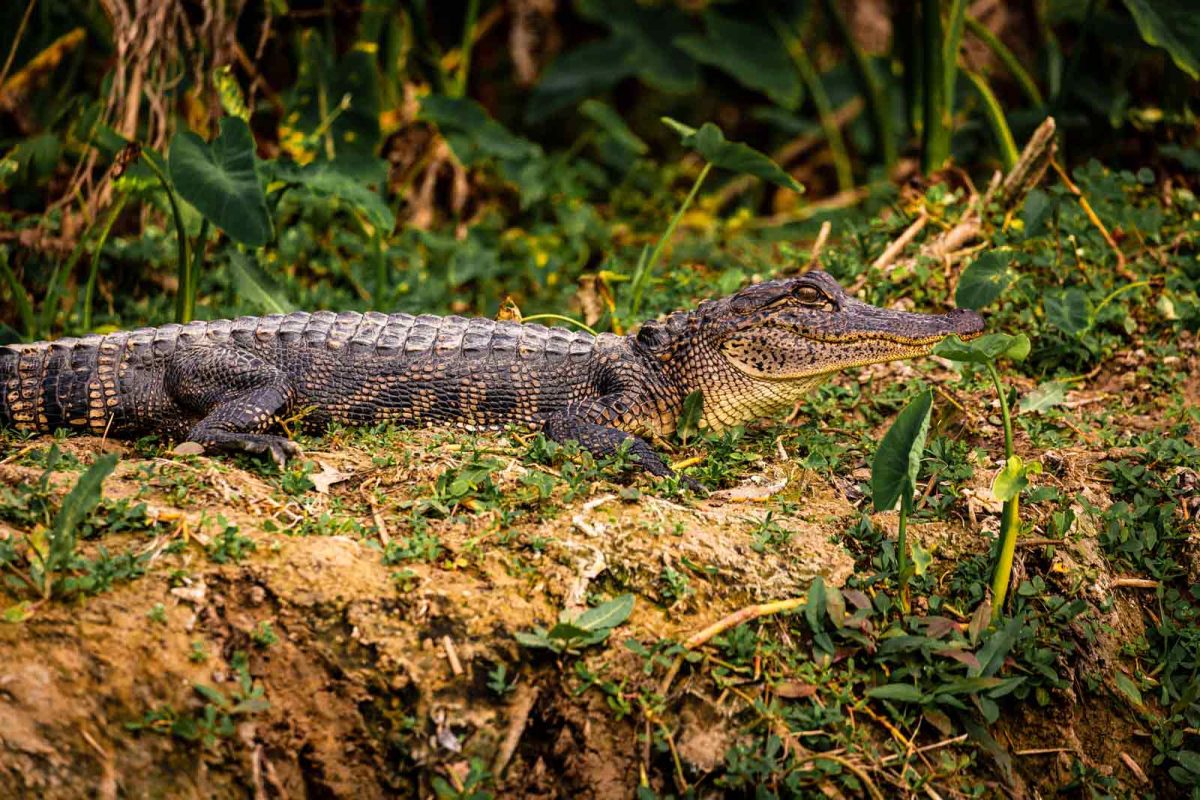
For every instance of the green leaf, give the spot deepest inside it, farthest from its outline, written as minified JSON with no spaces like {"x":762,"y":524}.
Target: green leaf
{"x":995,"y":649}
{"x":688,"y":424}
{"x":611,"y":123}
{"x":984,"y":280}
{"x":214,"y":696}
{"x":1045,"y":396}
{"x":1172,"y":25}
{"x":251,"y":705}
{"x":979,"y":620}
{"x":1038,"y":207}
{"x":894,"y":471}
{"x":1012,"y":479}
{"x":922,"y":558}
{"x":815,"y":604}
{"x":256,"y":288}
{"x":591,"y":68}
{"x":1188,"y":759}
{"x":472,"y":134}
{"x":1068,"y":310}
{"x":1128,"y":687}
{"x":221,"y":181}
{"x":567,"y":631}
{"x":79,"y":502}
{"x":18,"y":612}
{"x":326,"y":179}
{"x":985,"y":349}
{"x":711,"y":143}
{"x":835,"y":606}
{"x":647,"y":33}
{"x":537,"y":639}
{"x":750,"y":52}
{"x":901,"y":692}
{"x":606,"y":615}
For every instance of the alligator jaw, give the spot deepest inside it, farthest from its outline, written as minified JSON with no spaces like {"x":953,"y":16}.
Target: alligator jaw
{"x":808,"y":326}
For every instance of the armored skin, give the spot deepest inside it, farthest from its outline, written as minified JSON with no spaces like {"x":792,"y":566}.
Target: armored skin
{"x":225,"y":384}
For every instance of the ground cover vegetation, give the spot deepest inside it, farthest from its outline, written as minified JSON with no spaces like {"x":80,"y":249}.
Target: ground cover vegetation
{"x":972,"y":576}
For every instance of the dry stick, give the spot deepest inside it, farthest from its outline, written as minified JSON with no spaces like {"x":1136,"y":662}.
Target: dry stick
{"x":1122,"y":269}
{"x":1025,"y":174}
{"x":738,"y":617}
{"x":822,"y":236}
{"x":1134,"y":583}
{"x":925,"y":749}
{"x":452,"y":655}
{"x":902,"y":241}
{"x":522,"y":706}
{"x":1031,"y":166}
{"x":858,"y":771}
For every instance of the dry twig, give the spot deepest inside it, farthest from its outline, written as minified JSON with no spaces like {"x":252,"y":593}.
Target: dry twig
{"x":522,"y":706}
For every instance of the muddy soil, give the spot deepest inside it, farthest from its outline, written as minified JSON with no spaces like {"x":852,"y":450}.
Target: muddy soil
{"x":375,"y":676}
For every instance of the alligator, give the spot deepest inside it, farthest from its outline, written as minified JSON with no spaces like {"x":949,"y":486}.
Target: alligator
{"x":227,"y":384}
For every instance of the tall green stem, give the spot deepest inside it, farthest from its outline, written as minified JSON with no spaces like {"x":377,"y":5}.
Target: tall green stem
{"x":1004,"y":415}
{"x":183,"y":305}
{"x":812,"y":82}
{"x":468,"y":43}
{"x":646,"y":269}
{"x":1010,"y":519}
{"x":1010,"y":526}
{"x":381,"y":268}
{"x":935,"y":128}
{"x":1008,"y":59}
{"x":877,"y":101}
{"x":93,"y":272}
{"x":996,"y":120}
{"x":902,"y":549}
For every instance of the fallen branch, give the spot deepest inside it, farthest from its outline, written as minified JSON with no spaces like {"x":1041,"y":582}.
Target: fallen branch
{"x":1008,"y":192}
{"x":738,"y":617}
{"x":814,"y":259}
{"x":522,"y":706}
{"x":1134,"y":583}
{"x":902,"y":241}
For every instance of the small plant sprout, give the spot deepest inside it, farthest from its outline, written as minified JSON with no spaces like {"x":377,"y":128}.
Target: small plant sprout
{"x":894,"y":477}
{"x":1013,"y":477}
{"x":575,"y":632}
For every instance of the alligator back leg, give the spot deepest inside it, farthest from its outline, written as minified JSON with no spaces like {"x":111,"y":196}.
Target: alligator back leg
{"x":238,"y":396}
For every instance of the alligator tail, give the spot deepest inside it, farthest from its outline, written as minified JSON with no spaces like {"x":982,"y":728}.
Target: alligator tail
{"x":47,"y":385}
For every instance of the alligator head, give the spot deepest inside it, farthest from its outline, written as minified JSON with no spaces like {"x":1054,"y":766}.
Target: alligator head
{"x":762,"y":348}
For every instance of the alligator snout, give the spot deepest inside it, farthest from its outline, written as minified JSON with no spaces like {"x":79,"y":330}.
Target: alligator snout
{"x":965,"y":322}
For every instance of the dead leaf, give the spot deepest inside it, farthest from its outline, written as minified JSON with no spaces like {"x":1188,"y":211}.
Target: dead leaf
{"x":794,"y":690}
{"x":327,"y":477}
{"x":749,"y":492}
{"x":509,"y":310}
{"x":188,"y":449}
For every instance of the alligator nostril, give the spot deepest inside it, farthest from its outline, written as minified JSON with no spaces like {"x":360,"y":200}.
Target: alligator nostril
{"x":967,"y":320}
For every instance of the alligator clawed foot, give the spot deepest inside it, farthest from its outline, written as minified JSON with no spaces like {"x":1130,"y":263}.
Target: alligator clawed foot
{"x":277,"y":447}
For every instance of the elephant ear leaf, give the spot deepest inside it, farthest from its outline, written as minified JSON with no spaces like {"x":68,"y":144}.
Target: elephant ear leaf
{"x":221,"y":180}
{"x":743,"y":159}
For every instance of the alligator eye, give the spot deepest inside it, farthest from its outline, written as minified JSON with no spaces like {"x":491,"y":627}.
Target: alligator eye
{"x":811,"y":296}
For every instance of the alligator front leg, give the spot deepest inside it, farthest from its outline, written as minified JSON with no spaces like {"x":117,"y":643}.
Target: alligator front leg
{"x":240,"y":396}
{"x":602,"y":439}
